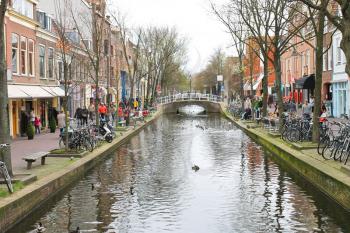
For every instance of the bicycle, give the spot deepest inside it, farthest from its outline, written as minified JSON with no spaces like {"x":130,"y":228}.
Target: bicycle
{"x":5,"y":172}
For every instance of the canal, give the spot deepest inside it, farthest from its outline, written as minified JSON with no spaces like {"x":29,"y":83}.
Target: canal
{"x":148,"y":185}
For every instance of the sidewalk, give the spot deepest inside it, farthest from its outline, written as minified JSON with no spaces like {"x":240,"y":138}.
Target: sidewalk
{"x":21,"y":147}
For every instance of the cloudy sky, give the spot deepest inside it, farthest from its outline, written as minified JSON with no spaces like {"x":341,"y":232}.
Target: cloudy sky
{"x":192,"y":18}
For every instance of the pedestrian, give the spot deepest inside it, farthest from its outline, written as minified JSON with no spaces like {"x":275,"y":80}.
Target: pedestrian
{"x":37,"y":124}
{"x":102,"y":109}
{"x":32,"y":116}
{"x":120,"y":113}
{"x":84,"y":115}
{"x":61,"y":121}
{"x":247,"y":108}
{"x":78,"y":115}
{"x":112,"y":112}
{"x":306,"y":110}
{"x":136,"y":104}
{"x":91,"y":110}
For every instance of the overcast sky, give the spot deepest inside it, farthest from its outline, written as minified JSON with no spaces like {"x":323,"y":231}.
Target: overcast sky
{"x":192,"y":18}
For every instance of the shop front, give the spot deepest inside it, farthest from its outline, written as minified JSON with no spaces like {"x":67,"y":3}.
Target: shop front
{"x":25,"y":98}
{"x":340,"y":98}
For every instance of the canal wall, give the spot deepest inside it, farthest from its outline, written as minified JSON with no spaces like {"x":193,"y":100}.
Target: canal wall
{"x":19,"y":205}
{"x":332,"y":181}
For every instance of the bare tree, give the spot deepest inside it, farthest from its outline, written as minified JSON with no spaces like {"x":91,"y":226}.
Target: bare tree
{"x":94,"y":26}
{"x":339,"y":15}
{"x":239,"y":34}
{"x":4,"y":120}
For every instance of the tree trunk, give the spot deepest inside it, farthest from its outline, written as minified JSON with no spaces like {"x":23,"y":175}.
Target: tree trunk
{"x":265,"y":83}
{"x":97,"y":99}
{"x":65,"y":104}
{"x":345,"y":46}
{"x":4,"y":114}
{"x":277,"y":66}
{"x":241,"y":80}
{"x":318,"y":77}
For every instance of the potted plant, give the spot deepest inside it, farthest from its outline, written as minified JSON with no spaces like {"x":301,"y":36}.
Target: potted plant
{"x":52,"y":125}
{"x":30,"y":131}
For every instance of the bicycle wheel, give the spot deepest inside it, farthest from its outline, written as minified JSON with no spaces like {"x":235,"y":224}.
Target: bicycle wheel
{"x":322,"y":143}
{"x":337,"y":152}
{"x":328,"y":150}
{"x":88,"y":145}
{"x":8,"y":180}
{"x":293,"y":135}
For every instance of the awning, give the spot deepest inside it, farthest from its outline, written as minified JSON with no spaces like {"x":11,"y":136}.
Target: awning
{"x":33,"y":91}
{"x":14,"y":92}
{"x":54,"y":90}
{"x":306,"y":82}
{"x":258,"y":81}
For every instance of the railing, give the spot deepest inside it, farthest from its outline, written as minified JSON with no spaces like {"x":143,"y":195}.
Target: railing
{"x":189,"y":96}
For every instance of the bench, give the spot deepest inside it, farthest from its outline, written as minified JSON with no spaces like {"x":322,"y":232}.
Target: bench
{"x":33,"y":157}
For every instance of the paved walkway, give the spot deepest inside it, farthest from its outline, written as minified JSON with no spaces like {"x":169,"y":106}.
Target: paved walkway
{"x":21,"y":147}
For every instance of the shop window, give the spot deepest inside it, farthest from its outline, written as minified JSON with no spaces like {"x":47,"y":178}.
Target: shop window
{"x":50,"y":63}
{"x":14,"y":42}
{"x":31,"y":57}
{"x":23,"y":55}
{"x":42,"y":61}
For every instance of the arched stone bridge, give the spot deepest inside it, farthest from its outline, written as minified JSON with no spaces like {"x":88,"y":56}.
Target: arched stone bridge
{"x":171,"y":104}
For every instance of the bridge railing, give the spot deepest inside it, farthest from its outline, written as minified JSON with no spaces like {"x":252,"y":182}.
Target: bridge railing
{"x":189,"y":96}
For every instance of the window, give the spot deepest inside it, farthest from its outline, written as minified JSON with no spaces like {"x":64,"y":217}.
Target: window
{"x":42,"y":61}
{"x":23,"y":55}
{"x":325,"y":59}
{"x":60,"y":70}
{"x":50,"y":62}
{"x":330,"y":59}
{"x":339,"y":55}
{"x":24,"y":7}
{"x":14,"y":41}
{"x":31,"y":57}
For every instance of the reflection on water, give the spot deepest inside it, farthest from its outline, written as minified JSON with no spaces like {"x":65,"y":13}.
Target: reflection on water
{"x":239,"y":188}
{"x":191,"y":110}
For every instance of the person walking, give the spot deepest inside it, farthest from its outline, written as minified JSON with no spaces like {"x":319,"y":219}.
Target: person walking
{"x":306,"y":109}
{"x":61,"y":121}
{"x":136,"y":104}
{"x":102,"y":109}
{"x":112,"y":111}
{"x":91,"y":110}
{"x":32,"y":117}
{"x":84,"y":116}
{"x":37,"y":124}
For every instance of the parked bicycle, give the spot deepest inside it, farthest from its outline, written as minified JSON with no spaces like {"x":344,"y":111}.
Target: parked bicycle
{"x":5,"y":172}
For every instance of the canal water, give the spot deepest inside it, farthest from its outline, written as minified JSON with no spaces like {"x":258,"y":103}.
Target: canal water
{"x":148,"y":185}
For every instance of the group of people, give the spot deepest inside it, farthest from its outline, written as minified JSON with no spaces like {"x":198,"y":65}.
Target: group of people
{"x":252,"y":108}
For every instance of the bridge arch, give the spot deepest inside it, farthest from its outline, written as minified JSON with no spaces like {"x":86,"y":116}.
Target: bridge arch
{"x":172,"y":104}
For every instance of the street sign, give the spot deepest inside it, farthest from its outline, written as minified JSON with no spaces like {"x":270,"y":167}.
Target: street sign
{"x":220,"y":78}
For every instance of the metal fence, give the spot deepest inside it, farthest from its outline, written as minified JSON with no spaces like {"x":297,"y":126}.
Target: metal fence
{"x":189,"y":97}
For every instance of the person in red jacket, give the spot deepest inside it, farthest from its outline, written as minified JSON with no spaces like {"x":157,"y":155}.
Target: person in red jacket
{"x":37,"y":124}
{"x":102,"y":109}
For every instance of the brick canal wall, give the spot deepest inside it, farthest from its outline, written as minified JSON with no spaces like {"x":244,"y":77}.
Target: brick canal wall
{"x":20,"y":204}
{"x":332,"y":181}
